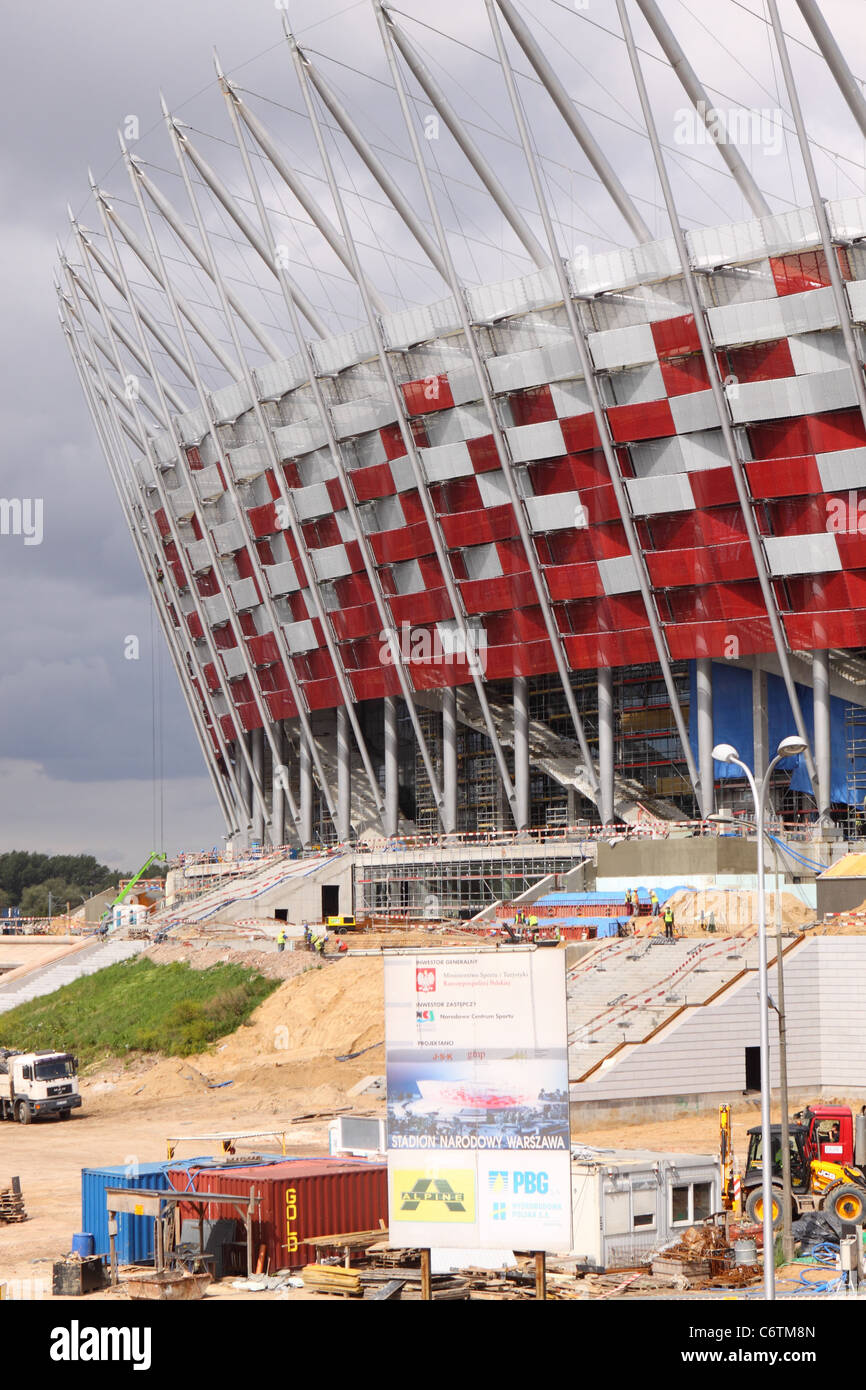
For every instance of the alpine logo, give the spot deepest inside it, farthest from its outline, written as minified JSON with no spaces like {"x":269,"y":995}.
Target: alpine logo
{"x":432,"y":1190}
{"x":425,"y":980}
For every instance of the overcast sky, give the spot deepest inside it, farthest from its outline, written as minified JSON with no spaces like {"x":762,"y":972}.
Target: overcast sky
{"x":78,"y":750}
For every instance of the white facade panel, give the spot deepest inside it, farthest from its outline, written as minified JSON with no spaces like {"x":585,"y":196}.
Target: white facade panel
{"x":181,"y":503}
{"x":487,"y":303}
{"x":453,"y":426}
{"x":767,"y":319}
{"x":569,"y":398}
{"x":230,"y":402}
{"x":357,"y":417}
{"x":300,"y":438}
{"x":245,"y":593}
{"x":493,"y":489}
{"x":653,"y":496}
{"x":793,"y":395}
{"x":857,"y":299}
{"x":482,"y":562}
{"x":843,"y":469}
{"x":300,"y":637}
{"x":618,"y":575}
{"x":249,"y":461}
{"x":199,"y":556}
{"x":331,"y":563}
{"x":556,"y":511}
{"x":623,"y":347}
{"x":332,"y":355}
{"x":402,"y":473}
{"x":233,"y":661}
{"x":447,"y":461}
{"x":192,"y":426}
{"x":816,"y":554}
{"x":276,"y":379}
{"x":312,"y":501}
{"x":409,"y":327}
{"x":282,"y":578}
{"x":696,"y":410}
{"x":228,"y":536}
{"x":541,"y":441}
{"x":208,"y":483}
{"x":215,"y":610}
{"x":817,"y":352}
{"x":630,"y":387}
{"x":517,"y":371}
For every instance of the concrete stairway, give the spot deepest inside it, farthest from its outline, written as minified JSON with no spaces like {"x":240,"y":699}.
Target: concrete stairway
{"x":46,"y":979}
{"x":627,"y":989}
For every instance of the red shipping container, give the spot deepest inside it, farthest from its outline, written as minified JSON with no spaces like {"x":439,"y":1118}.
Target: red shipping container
{"x":299,"y":1199}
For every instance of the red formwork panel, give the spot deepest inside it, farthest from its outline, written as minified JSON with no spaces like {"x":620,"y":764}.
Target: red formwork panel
{"x":573,"y":581}
{"x":413,"y":507}
{"x":483,"y":453}
{"x":371,"y":483}
{"x":263,"y":520}
{"x":408,"y":543}
{"x":519,"y":659}
{"x":743,"y":637}
{"x":375,"y":682}
{"x":684,"y":375}
{"x":788,"y":477}
{"x":353,"y":589}
{"x":676,"y":337}
{"x":827,"y":433}
{"x":580,"y":433}
{"x":299,"y":1199}
{"x":761,"y":361}
{"x":808,"y":630}
{"x":805,"y":270}
{"x":161,"y":521}
{"x":355,"y":622}
{"x":193,"y":622}
{"x":492,"y":595}
{"x":336,"y":495}
{"x":322,"y":694}
{"x":476,"y":528}
{"x":430,"y":606}
{"x":429,"y":394}
{"x":532,"y":407}
{"x":713,"y":487}
{"x":648,"y":420}
{"x":281,"y":705}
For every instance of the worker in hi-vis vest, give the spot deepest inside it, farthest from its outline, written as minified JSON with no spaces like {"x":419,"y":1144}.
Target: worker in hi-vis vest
{"x":281,"y":939}
{"x":669,"y":922}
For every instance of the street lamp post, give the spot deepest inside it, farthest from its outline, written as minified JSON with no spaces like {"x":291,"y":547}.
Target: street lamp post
{"x":726,"y":753}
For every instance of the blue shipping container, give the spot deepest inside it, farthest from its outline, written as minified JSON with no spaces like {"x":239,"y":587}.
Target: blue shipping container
{"x":134,"y":1233}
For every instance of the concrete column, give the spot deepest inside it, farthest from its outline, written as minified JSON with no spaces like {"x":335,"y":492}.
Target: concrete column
{"x":704,"y":682}
{"x":306,"y":806}
{"x":449,"y":760}
{"x":246,"y":810}
{"x":392,"y":773}
{"x":760,"y":732}
{"x":279,"y":774}
{"x":522,"y":817}
{"x":344,"y":775}
{"x":257,"y":752}
{"x":821,"y":704}
{"x":605,"y":744}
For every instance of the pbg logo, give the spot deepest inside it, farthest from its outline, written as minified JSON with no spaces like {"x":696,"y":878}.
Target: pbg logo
{"x":425,"y":980}
{"x":530,"y":1183}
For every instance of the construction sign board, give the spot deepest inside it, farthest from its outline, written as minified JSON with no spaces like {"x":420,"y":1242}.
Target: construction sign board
{"x":479,"y":1145}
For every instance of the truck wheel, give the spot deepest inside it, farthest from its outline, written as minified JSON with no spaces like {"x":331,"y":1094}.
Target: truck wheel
{"x":845,"y":1203}
{"x":65,"y":1115}
{"x":755,"y":1207}
{"x":23,"y":1113}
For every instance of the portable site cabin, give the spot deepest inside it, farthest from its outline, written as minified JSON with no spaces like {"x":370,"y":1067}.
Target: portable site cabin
{"x":628,"y":1204}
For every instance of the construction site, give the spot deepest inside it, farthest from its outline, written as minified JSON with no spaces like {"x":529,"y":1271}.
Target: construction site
{"x":510,"y":573}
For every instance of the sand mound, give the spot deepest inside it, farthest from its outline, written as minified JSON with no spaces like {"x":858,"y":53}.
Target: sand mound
{"x":323,"y":1013}
{"x":276,"y":965}
{"x":735,"y":909}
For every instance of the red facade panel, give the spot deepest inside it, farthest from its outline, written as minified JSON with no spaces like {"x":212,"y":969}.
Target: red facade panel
{"x":789,"y":477}
{"x":429,"y":394}
{"x":649,"y":420}
{"x":676,"y":337}
{"x":370,"y":483}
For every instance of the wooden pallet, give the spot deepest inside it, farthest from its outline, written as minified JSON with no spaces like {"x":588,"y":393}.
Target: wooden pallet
{"x":11,"y":1205}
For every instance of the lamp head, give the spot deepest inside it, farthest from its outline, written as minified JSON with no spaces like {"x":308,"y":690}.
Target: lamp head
{"x":725,"y":753}
{"x":791,"y":747}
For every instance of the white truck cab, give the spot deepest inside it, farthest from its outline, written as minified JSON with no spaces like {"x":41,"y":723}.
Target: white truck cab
{"x":34,"y":1085}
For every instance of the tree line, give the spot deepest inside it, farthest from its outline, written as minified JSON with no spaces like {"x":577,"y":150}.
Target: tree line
{"x":27,"y":879}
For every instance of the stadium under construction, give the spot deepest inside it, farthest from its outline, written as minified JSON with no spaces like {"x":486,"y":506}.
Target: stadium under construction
{"x":518,"y":556}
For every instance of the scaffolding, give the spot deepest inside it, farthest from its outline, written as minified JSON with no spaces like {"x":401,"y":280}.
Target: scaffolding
{"x":436,"y":883}
{"x":855,"y":760}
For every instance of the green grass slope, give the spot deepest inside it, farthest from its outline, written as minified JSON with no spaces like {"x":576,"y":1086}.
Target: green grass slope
{"x":138,"y":1006}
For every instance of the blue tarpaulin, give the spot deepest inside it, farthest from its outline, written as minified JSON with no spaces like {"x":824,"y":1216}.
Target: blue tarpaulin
{"x":732,"y":723}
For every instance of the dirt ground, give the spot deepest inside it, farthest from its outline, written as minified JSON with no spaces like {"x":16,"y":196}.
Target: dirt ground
{"x":304,"y":1049}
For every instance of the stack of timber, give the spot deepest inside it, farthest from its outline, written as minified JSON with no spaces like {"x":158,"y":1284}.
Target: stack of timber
{"x":332,"y":1279}
{"x":11,"y":1201}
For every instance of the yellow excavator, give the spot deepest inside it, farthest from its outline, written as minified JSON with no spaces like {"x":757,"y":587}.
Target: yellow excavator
{"x":828,"y":1165}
